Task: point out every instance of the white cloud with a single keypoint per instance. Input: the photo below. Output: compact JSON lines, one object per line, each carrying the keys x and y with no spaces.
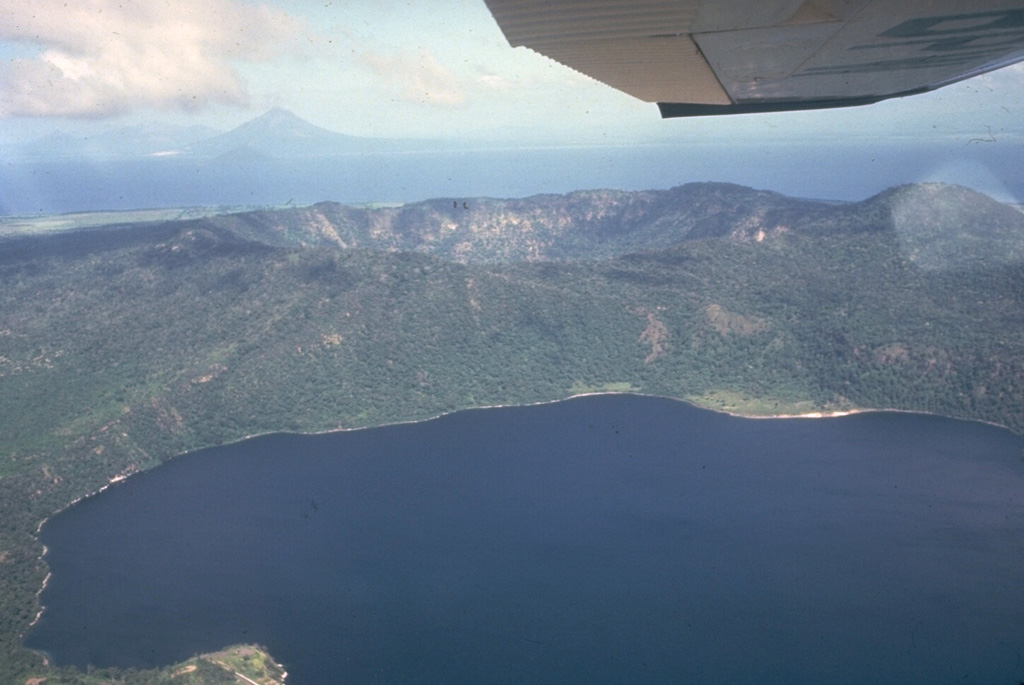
{"x":418,"y":78}
{"x":99,"y":57}
{"x":493,"y":82}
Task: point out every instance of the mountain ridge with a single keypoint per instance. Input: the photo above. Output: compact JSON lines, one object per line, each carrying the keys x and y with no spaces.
{"x":598,"y":224}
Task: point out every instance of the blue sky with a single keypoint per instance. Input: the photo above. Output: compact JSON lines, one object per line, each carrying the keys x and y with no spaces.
{"x":390,"y":68}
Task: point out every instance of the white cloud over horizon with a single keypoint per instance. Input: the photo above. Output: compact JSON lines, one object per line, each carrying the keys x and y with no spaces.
{"x":103,"y":57}
{"x":418,"y":77}
{"x":389,"y":68}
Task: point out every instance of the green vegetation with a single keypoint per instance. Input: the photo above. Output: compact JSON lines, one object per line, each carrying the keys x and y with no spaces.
{"x":579,"y":388}
{"x":230,"y":666}
{"x":121,"y":348}
{"x":744,"y":404}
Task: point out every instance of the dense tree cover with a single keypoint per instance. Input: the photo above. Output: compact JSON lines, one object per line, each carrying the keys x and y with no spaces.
{"x":122,"y":348}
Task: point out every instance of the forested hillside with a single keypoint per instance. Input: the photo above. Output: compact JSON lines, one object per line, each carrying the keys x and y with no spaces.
{"x":121,"y":348}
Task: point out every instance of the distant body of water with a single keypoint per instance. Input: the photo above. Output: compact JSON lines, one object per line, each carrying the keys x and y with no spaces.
{"x":839,"y":171}
{"x":605,"y":539}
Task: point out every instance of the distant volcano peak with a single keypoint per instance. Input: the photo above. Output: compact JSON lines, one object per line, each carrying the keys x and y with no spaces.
{"x":281,"y":133}
{"x":279,"y":119}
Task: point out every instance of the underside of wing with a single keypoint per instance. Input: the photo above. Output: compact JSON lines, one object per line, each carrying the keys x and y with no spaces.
{"x":701,"y":57}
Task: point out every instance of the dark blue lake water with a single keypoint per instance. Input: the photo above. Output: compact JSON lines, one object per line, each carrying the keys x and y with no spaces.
{"x":605,"y":539}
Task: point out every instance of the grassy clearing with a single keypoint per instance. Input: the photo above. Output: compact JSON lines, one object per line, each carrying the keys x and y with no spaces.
{"x":581,"y":388}
{"x":248,"y":662}
{"x":745,"y":404}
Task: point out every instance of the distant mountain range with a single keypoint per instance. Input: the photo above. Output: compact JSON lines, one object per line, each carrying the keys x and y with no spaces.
{"x":276,"y":134}
{"x":279,"y":158}
{"x":123,"y":142}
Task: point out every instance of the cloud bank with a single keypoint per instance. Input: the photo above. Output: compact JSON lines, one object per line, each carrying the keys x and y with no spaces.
{"x":419,"y":78}
{"x":102,"y":57}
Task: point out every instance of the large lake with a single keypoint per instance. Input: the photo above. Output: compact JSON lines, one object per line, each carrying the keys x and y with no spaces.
{"x":605,"y":539}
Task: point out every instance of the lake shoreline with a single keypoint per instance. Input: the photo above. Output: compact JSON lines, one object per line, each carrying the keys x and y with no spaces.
{"x":123,"y":476}
{"x":114,"y":480}
{"x":595,"y":423}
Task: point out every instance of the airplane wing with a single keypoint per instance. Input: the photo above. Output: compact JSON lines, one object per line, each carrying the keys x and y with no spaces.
{"x":701,"y":57}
